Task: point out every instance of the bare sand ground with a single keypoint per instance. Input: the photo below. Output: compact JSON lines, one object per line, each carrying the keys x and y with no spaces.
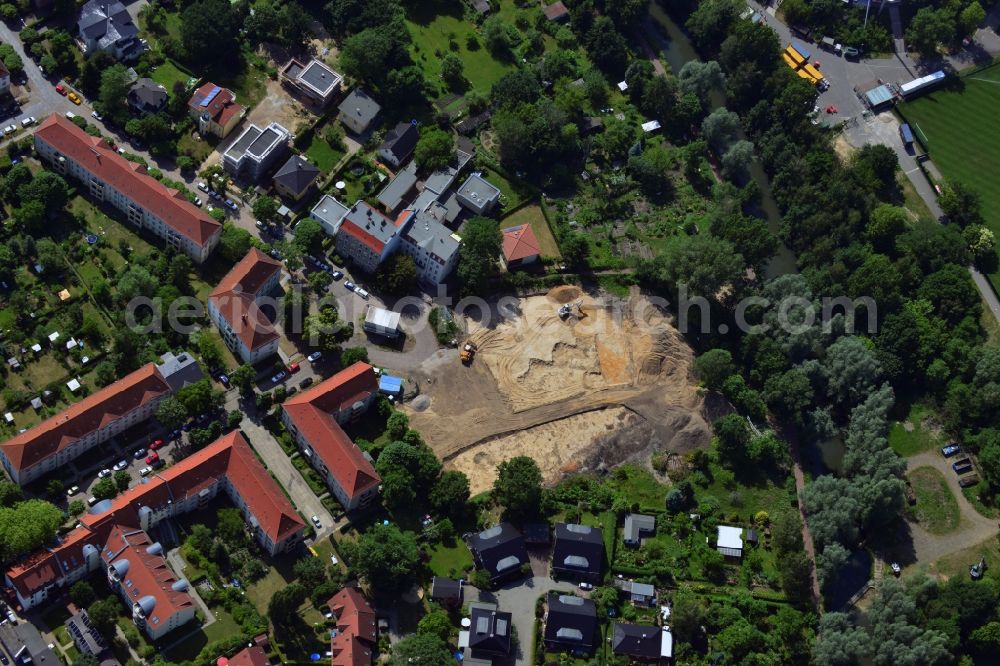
{"x":555,"y":389}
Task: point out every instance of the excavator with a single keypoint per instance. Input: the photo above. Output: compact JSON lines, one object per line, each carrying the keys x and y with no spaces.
{"x":468,"y":353}
{"x":567,"y":309}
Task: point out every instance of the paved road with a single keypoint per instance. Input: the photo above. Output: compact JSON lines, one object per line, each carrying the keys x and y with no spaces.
{"x":519,"y":599}
{"x":973,"y":529}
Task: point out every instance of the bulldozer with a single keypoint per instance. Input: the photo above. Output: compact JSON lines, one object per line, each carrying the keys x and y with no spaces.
{"x":468,"y":353}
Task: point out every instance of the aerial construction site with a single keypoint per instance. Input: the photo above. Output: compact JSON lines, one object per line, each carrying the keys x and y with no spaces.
{"x":575,"y":381}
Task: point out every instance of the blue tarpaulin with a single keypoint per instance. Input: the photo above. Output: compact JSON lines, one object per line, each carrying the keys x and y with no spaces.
{"x":390,"y":385}
{"x":800,"y":47}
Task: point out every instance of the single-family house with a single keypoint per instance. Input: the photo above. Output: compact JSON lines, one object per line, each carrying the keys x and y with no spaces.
{"x":520,"y":247}
{"x":642,"y":642}
{"x":570,"y":623}
{"x":640,"y":594}
{"x":399,"y":144}
{"x":314,"y":418}
{"x":295,"y":178}
{"x":105,"y":25}
{"x":478,"y":194}
{"x":329,"y":212}
{"x":578,"y":551}
{"x":729,"y":541}
{"x":637,"y":525}
{"x":215,"y":110}
{"x":252,"y":655}
{"x":556,"y":11}
{"x":500,"y":551}
{"x":447,"y":591}
{"x":313,"y":80}
{"x":256,"y":151}
{"x":489,"y":632}
{"x":146,"y":97}
{"x":233,"y":306}
{"x":358,"y":112}
{"x":353,"y":643}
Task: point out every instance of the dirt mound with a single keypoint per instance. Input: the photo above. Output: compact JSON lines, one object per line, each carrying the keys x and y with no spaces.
{"x":564,"y":294}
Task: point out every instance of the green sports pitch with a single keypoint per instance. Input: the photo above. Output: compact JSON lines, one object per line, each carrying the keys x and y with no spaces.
{"x":958,"y":127}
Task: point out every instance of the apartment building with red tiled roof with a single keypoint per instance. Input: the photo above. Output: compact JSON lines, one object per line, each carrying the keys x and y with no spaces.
{"x":233,"y":307}
{"x":367,"y":237}
{"x":227,"y":466}
{"x":109,"y":178}
{"x":92,"y":421}
{"x":314,"y":419}
{"x":354,"y":641}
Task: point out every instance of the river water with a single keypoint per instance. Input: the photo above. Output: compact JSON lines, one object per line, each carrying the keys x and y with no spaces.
{"x":676,"y":49}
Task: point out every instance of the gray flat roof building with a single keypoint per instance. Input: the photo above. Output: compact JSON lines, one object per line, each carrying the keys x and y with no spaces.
{"x":395,"y":193}
{"x":478,"y":194}
{"x":329,"y":212}
{"x":256,"y":150}
{"x":179,"y":370}
{"x":26,"y":646}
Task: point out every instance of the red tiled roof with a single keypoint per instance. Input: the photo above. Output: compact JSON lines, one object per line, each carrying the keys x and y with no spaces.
{"x":93,"y":412}
{"x":519,"y":242}
{"x":222,"y":107}
{"x":312,"y":413}
{"x":356,"y":629}
{"x":235,"y":298}
{"x":129,"y":178}
{"x":251,"y":656}
{"x":228,"y":456}
{"x":373,"y":244}
{"x":555,"y":11}
{"x":148,"y":574}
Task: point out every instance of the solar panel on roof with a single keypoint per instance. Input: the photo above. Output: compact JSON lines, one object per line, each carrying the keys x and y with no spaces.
{"x":211,"y":95}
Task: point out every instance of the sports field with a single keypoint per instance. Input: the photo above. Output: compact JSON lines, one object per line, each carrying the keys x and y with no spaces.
{"x":958,"y":127}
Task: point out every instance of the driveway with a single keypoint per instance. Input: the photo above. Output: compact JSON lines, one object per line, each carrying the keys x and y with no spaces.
{"x":974,"y":528}
{"x":519,"y":600}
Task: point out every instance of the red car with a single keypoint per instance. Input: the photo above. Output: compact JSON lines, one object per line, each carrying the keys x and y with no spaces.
{"x":153,"y":458}
{"x":155,"y":445}
{"x":293,"y":368}
{"x":61,"y":89}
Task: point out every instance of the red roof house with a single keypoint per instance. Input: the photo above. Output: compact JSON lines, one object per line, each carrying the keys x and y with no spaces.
{"x":520,"y":247}
{"x":232,"y":305}
{"x":356,"y":629}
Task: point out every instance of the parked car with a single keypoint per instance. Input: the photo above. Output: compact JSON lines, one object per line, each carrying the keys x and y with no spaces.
{"x":174,"y":434}
{"x":9,"y":129}
{"x":97,"y":116}
{"x":231,"y":205}
{"x":27,"y":121}
{"x":104,"y":473}
{"x":120,"y":465}
{"x":155,"y":445}
{"x":224,"y":379}
{"x":950,"y":450}
{"x":152,"y":458}
{"x":198,"y":202}
{"x":73,"y":490}
{"x":260,"y":225}
{"x":91,"y":501}
{"x":203,"y":187}
{"x":293,"y":368}
{"x":139,"y":454}
{"x":73,"y":97}
{"x":337,"y":275}
{"x":315,"y":356}
{"x":968,"y":481}
{"x":145,"y":471}
{"x":70,"y":115}
{"x":851,"y":52}
{"x":362,"y":293}
{"x":315,"y":521}
{"x":349,"y":286}
{"x":3,"y":658}
{"x":61,"y":89}
{"x":292,"y":391}
{"x":278,"y":377}
{"x":306,"y":382}
{"x":586,"y":586}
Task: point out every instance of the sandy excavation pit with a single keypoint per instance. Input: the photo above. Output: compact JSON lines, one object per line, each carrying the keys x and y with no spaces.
{"x":574,"y":393}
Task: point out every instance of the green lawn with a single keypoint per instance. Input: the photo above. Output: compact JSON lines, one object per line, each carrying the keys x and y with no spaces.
{"x":512,"y":193}
{"x":533,"y":215}
{"x":936,"y":509}
{"x":450,"y":561}
{"x":322,"y":153}
{"x":168,"y":74}
{"x":957,"y":125}
{"x":912,"y":436}
{"x":438,"y":26}
{"x":957,"y":564}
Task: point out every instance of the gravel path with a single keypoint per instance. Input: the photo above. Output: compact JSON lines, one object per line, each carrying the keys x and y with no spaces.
{"x":974,"y":528}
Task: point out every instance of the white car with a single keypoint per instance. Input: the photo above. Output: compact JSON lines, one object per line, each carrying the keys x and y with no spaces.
{"x":70,"y":115}
{"x":315,"y":356}
{"x":104,"y":473}
{"x":198,"y":202}
{"x":586,"y":586}
{"x":145,"y":471}
{"x":73,"y":490}
{"x":361,"y":292}
{"x":203,"y":187}
{"x":10,"y":128}
{"x":27,"y":121}
{"x":120,"y":465}
{"x":96,"y":115}
{"x":315,"y":521}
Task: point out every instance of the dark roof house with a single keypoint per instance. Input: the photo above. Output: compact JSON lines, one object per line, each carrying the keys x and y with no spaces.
{"x":107,"y":26}
{"x":146,"y":96}
{"x":578,"y":551}
{"x":446,"y":590}
{"x":571,"y":623}
{"x":489,"y":633}
{"x":642,"y":641}
{"x":295,"y":177}
{"x":499,"y":550}
{"x":358,"y":111}
{"x":399,"y":144}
